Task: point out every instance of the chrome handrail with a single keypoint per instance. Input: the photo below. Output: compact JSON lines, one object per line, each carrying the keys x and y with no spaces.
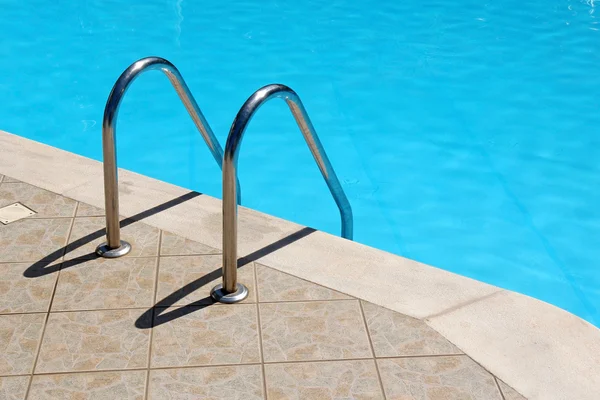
{"x":114,"y":246}
{"x":230,"y":291}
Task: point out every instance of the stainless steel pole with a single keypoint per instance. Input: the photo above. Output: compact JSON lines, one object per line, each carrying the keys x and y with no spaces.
{"x":114,"y":246}
{"x":231,"y":291}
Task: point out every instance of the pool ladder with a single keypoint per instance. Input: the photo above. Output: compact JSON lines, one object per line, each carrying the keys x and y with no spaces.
{"x":230,"y":291}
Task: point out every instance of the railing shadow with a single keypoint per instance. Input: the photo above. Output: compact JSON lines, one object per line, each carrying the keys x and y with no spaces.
{"x":156,"y":315}
{"x":44,"y":267}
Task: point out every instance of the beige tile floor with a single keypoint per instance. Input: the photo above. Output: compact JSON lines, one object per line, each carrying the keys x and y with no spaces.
{"x":73,"y":326}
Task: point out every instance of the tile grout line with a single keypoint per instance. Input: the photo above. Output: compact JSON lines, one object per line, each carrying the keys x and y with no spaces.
{"x":223,"y":365}
{"x":158,"y":259}
{"x":305,"y":301}
{"x":56,"y":311}
{"x":147,"y":387}
{"x":499,"y":388}
{"x":422,"y":356}
{"x":364,"y":318}
{"x":23,"y":313}
{"x":15,"y":376}
{"x":94,"y":257}
{"x":325,"y":360}
{"x":489,"y":372}
{"x":87,"y":181}
{"x":202,"y":366}
{"x":94,"y":310}
{"x":361,"y":359}
{"x":306,"y":280}
{"x":85,"y":257}
{"x":98,"y":371}
{"x":192,"y":255}
{"x":75,"y":209}
{"x":101,"y":371}
{"x":39,"y":346}
{"x":160,"y":254}
{"x":55,"y":217}
{"x":28,"y":387}
{"x":260,"y":341}
{"x":147,"y":369}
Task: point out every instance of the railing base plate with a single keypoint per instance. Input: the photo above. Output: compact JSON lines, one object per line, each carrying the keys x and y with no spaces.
{"x":104,"y":251}
{"x":221,"y":296}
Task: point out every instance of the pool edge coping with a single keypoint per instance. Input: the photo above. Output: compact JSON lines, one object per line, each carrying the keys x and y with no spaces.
{"x":542,"y":351}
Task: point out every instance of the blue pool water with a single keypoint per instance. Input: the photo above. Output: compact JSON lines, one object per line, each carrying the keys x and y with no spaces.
{"x":466,"y":133}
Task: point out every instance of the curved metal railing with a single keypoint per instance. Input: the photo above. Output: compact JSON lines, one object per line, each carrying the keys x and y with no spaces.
{"x":231,"y":291}
{"x":114,"y":246}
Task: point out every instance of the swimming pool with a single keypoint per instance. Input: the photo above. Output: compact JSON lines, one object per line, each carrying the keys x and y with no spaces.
{"x":465,"y":133}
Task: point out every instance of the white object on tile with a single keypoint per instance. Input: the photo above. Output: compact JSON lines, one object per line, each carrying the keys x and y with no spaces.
{"x":14,"y":212}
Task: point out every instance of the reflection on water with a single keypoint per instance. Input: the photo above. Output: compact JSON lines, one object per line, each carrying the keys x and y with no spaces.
{"x":179,"y":11}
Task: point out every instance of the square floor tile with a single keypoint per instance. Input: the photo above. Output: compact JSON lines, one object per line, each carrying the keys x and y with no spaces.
{"x":508,"y":392}
{"x":21,"y":294}
{"x":278,"y":286}
{"x":13,"y":387}
{"x":122,"y":385}
{"x":436,"y":378}
{"x":33,"y":239}
{"x":143,"y":238}
{"x":323,"y":380}
{"x":242,"y":382}
{"x":313,"y":331}
{"x":394,"y":334}
{"x":106,"y":283}
{"x":20,"y":335}
{"x":217,"y":334}
{"x":189,"y":279}
{"x":175,"y":245}
{"x":46,"y":204}
{"x":93,"y":340}
{"x":86,"y":210}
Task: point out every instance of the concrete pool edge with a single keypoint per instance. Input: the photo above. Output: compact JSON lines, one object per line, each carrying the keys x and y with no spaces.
{"x":540,"y":350}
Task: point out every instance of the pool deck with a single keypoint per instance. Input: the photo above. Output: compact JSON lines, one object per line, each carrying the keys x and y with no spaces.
{"x":326,"y":318}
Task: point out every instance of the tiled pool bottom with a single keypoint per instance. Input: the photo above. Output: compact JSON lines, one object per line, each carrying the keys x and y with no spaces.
{"x":73,"y":326}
